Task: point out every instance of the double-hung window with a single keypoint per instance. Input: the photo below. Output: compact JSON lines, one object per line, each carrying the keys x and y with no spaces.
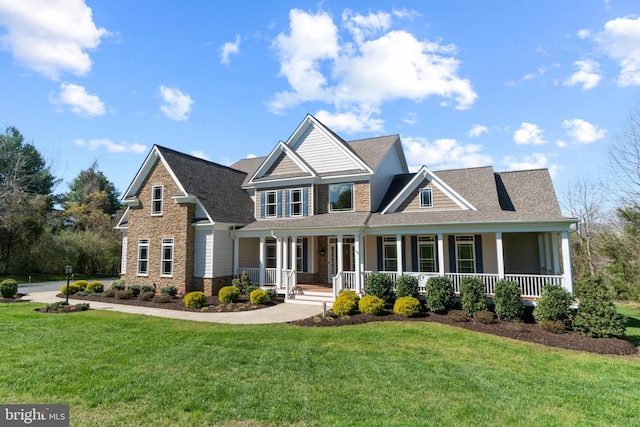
{"x":426,"y":254}
{"x":143,"y":257}
{"x":156,"y":200}
{"x":270,"y":252}
{"x":167,"y":257}
{"x":341,"y":197}
{"x":390,"y":254}
{"x":271,"y":204}
{"x":295,"y":202}
{"x":465,"y":254}
{"x":426,"y":198}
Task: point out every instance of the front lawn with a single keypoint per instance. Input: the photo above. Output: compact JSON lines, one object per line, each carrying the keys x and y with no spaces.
{"x":120,"y":370}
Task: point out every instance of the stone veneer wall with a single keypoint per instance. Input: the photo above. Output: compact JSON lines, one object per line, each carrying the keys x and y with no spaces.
{"x":175,"y":222}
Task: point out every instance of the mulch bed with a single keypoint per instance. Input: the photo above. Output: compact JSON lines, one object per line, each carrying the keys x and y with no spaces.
{"x":16,"y":298}
{"x":213,"y":303}
{"x":524,"y":331}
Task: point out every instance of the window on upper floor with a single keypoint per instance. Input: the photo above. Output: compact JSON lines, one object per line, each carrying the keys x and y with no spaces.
{"x":295,"y":202}
{"x":167,"y":257}
{"x":271,"y":204}
{"x":143,"y":257}
{"x":341,"y":197}
{"x":426,"y":198}
{"x":156,"y":200}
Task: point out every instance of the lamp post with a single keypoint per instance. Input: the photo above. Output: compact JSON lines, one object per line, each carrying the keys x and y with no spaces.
{"x":67,"y":271}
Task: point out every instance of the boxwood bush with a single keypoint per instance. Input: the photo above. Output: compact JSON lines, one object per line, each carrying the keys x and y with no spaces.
{"x":170,"y":290}
{"x":96,"y":287}
{"x":439,"y":294}
{"x":349,"y":294}
{"x":272,"y":294}
{"x":8,"y":288}
{"x":258,"y":296}
{"x":135,"y":290}
{"x":473,"y":296}
{"x":554,"y":304}
{"x":147,"y":288}
{"x":195,"y":299}
{"x":380,"y":285}
{"x":371,"y":304}
{"x":345,"y":305}
{"x":597,"y":316}
{"x":228,"y":294}
{"x":118,"y":285}
{"x":82,"y":284}
{"x":73,"y":289}
{"x":407,"y":286}
{"x":242,"y":282}
{"x":407,"y":306}
{"x":508,"y":301}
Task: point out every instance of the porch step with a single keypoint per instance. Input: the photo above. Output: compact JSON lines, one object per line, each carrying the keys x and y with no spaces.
{"x":309,"y":297}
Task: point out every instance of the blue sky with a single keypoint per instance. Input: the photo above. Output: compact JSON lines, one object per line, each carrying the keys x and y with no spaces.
{"x":513,"y":84}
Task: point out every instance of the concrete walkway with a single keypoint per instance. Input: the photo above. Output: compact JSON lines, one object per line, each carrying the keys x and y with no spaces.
{"x":275,"y":314}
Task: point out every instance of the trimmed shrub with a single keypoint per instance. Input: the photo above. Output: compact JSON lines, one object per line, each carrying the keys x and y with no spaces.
{"x":242,"y":282}
{"x":83,"y":306}
{"x":597,"y":316}
{"x":147,"y":288}
{"x":109,"y":293}
{"x":380,"y":285}
{"x":407,"y":286}
{"x":484,"y":316}
{"x":82,"y":284}
{"x":345,"y":306}
{"x":8,"y":288}
{"x":272,"y":294}
{"x":258,"y":296}
{"x":228,"y":294}
{"x":508,"y":300}
{"x":473,"y":296}
{"x":439,"y":294}
{"x":95,"y":287}
{"x":73,"y":289}
{"x":170,"y":290}
{"x":163,"y":298}
{"x":135,"y":290}
{"x":371,"y":304}
{"x":407,"y":306}
{"x":250,"y":289}
{"x":195,"y":299}
{"x":118,"y":285}
{"x":349,"y":294}
{"x":554,"y":304}
{"x":458,"y":316}
{"x":553,"y":326}
{"x":124,"y":294}
{"x":146,"y":296}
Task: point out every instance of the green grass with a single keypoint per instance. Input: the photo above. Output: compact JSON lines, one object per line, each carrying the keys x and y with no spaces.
{"x":116,"y":369}
{"x":39,"y":278}
{"x":632,"y":312}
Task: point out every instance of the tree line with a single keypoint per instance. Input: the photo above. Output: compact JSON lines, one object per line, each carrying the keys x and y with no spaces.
{"x":42,"y":231}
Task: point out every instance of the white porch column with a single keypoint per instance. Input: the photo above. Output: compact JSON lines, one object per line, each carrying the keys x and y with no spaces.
{"x":358,"y":267}
{"x":285,"y":251}
{"x":339,"y":249}
{"x":549,"y":249}
{"x":294,"y":246}
{"x":278,"y":262}
{"x":399,"y":254}
{"x":555,"y":245}
{"x":262,"y":253}
{"x":441,"y":254}
{"x":236,"y":256}
{"x":567,"y":281}
{"x":500,"y":253}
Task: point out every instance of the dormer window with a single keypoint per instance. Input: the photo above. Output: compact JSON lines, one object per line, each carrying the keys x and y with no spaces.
{"x":156,"y":200}
{"x":426,"y":198}
{"x":341,"y":197}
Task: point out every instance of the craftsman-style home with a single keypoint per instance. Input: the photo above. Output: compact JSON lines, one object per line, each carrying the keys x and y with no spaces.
{"x":318,"y":214}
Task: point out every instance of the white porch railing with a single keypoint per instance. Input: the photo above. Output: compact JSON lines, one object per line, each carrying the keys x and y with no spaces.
{"x":531,"y":284}
{"x":253,"y":273}
{"x":270,"y":275}
{"x":288,"y":281}
{"x":489,"y":280}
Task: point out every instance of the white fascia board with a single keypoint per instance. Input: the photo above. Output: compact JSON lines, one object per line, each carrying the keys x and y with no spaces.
{"x":425,"y":173}
{"x":123,"y":218}
{"x":473,"y":227}
{"x":144,"y":170}
{"x":281,"y":147}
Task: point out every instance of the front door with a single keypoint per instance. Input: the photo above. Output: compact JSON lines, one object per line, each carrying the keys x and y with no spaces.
{"x":348,"y":256}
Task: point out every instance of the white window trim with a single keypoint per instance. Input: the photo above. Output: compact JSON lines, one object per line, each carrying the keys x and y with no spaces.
{"x":166,"y":243}
{"x":466,"y":240}
{"x":272,"y":243}
{"x":388,"y":241}
{"x":426,"y":191}
{"x":142,"y":243}
{"x":154,"y":200}
{"x":291,"y":202}
{"x":426,"y":241}
{"x":274,"y":204}
{"x":353,"y":197}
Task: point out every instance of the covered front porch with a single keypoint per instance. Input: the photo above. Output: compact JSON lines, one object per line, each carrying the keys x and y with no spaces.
{"x":345,"y":260}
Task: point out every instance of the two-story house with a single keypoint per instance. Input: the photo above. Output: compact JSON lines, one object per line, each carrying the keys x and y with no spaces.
{"x":323,"y":212}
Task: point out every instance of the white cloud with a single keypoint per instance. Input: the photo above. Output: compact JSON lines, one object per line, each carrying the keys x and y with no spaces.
{"x":50,"y":36}
{"x":406,"y":13}
{"x":561,"y":143}
{"x":410,"y":118}
{"x":620,"y":40}
{"x":583,"y":34}
{"x":443,"y":154}
{"x":477,"y":130}
{"x":528,"y":134}
{"x":350,"y":121}
{"x":200,"y":154}
{"x":533,"y":161}
{"x":583,"y":131}
{"x":359,"y":77}
{"x":541,"y":71}
{"x":80,"y":102}
{"x":251,"y":156}
{"x":588,"y":75}
{"x":228,"y":49}
{"x":112,"y":147}
{"x":176,"y":105}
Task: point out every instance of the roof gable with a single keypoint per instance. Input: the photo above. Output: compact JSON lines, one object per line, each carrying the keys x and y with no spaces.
{"x":401,"y":197}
